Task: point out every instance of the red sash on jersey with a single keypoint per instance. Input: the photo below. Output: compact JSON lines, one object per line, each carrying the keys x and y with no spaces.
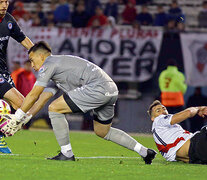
{"x":166,"y":148}
{"x":186,"y":132}
{"x":1,"y":20}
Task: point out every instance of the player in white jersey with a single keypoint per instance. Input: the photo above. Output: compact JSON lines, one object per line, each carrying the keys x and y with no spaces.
{"x":86,"y":87}
{"x":173,"y":142}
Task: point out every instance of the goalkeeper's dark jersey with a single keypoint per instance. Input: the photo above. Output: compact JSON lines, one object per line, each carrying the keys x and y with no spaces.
{"x":8,"y":28}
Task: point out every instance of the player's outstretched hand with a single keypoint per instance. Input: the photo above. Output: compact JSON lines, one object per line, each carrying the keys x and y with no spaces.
{"x":202,"y":111}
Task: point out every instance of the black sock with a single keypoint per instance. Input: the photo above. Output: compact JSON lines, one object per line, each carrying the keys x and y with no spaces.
{"x":2,"y":134}
{"x":12,"y":110}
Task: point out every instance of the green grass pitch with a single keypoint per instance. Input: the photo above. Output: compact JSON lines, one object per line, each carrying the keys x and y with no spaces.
{"x":30,"y":148}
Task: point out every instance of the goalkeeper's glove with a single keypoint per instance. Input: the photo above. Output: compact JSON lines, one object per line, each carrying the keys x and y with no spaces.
{"x":14,"y":122}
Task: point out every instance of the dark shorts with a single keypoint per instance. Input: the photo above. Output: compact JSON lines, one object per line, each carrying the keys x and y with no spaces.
{"x":198,"y":147}
{"x":74,"y":108}
{"x":6,"y":83}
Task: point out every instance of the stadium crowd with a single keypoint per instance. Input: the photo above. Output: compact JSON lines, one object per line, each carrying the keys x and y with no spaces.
{"x":93,"y":13}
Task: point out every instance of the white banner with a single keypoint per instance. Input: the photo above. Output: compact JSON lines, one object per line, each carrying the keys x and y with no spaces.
{"x":194,"y":49}
{"x":125,"y":54}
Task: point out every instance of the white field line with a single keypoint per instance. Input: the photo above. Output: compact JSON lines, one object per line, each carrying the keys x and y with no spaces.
{"x":9,"y":154}
{"x":95,"y":157}
{"x":108,"y":157}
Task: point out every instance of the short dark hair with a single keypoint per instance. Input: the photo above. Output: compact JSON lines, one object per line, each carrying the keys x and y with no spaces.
{"x":155,"y":103}
{"x":40,"y":45}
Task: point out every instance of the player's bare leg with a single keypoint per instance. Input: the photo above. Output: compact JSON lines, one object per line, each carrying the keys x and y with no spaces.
{"x":182,"y":153}
{"x":120,"y":137}
{"x":14,"y":98}
{"x":57,"y":110}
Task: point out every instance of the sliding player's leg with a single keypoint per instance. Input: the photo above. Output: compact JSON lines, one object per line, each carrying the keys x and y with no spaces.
{"x":198,"y":147}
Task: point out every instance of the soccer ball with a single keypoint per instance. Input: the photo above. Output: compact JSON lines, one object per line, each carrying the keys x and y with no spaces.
{"x":4,"y":109}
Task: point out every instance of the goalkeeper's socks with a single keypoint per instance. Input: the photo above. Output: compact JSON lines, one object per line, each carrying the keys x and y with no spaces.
{"x":120,"y":137}
{"x":140,"y":149}
{"x":67,"y":150}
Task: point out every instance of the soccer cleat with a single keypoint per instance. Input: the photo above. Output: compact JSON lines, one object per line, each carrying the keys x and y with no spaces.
{"x":62,"y":157}
{"x":150,"y":156}
{"x":3,"y":146}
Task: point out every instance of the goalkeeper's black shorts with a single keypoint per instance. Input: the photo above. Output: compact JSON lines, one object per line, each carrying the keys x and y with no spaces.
{"x":198,"y":147}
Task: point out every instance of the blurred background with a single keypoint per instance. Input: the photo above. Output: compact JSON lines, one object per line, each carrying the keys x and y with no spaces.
{"x":152,"y":49}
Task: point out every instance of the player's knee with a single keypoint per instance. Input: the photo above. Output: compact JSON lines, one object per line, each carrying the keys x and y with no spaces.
{"x":101,"y":132}
{"x":52,"y":108}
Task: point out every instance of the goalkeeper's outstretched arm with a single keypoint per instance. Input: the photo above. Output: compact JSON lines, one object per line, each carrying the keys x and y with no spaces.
{"x":31,"y":98}
{"x":43,"y":99}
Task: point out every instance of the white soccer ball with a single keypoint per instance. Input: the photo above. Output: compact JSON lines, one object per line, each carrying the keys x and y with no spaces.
{"x":4,"y":109}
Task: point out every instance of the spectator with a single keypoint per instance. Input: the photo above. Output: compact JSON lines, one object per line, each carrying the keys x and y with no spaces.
{"x":173,"y":87}
{"x":52,"y":7}
{"x":16,"y":70}
{"x":161,"y":17}
{"x":111,"y":8}
{"x":62,"y":12}
{"x":25,"y":79}
{"x":99,"y":19}
{"x":197,"y":99}
{"x":41,"y":14}
{"x":79,"y":17}
{"x":202,"y":16}
{"x":129,"y":13}
{"x":25,"y":22}
{"x":171,"y":26}
{"x":145,"y":18}
{"x":180,"y":27}
{"x":136,"y":25}
{"x":19,"y":10}
{"x":175,"y":12}
{"x":50,"y":16}
{"x":50,"y":20}
{"x":111,"y":22}
{"x":91,"y":6}
{"x":35,"y":19}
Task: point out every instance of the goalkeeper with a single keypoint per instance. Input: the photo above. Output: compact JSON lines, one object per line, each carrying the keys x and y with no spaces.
{"x":86,"y":87}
